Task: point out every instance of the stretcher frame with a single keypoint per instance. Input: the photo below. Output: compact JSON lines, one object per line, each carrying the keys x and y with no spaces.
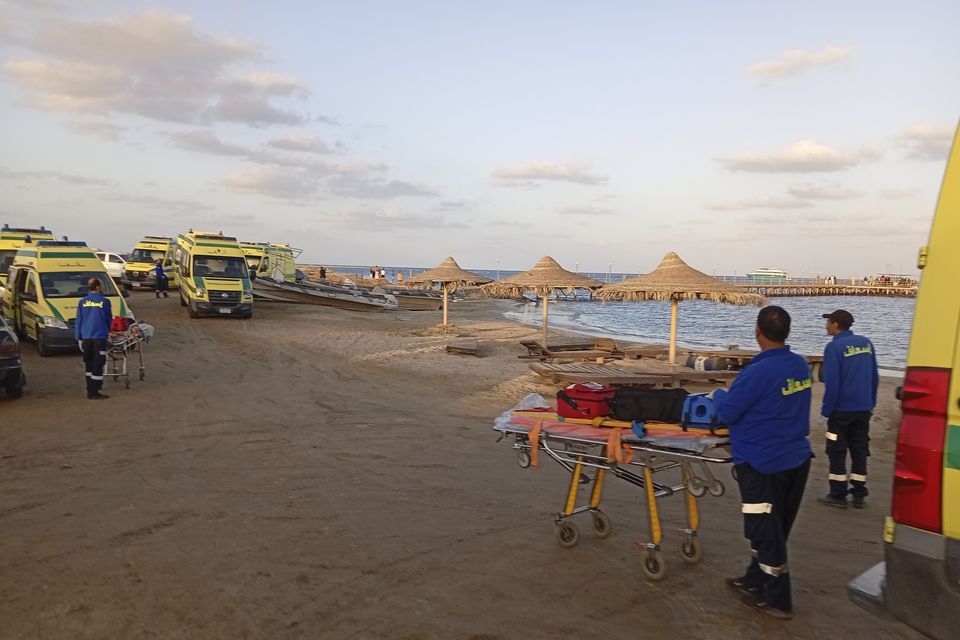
{"x":577,"y":454}
{"x":119,"y":347}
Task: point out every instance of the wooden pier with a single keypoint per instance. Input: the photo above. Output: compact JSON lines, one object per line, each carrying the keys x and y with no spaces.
{"x":778,"y":290}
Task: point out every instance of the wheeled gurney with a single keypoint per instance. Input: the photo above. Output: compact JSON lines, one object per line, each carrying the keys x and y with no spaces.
{"x":608,"y":446}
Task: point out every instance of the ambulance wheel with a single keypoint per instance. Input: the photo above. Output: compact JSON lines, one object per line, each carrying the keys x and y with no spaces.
{"x":717,"y":489}
{"x":193,"y":314}
{"x":691,"y":550}
{"x":523,"y":459}
{"x":568,"y":535}
{"x":696,"y":487}
{"x":42,"y":348}
{"x":602,"y":525}
{"x":183,"y":303}
{"x":654,"y":566}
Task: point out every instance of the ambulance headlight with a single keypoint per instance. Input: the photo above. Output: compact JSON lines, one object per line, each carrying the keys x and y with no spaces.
{"x":201,"y":292}
{"x":54,"y":323}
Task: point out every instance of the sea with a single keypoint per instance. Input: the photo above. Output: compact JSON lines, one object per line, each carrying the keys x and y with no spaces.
{"x":707,"y":325}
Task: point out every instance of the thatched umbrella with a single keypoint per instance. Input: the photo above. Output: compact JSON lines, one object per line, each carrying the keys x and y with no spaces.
{"x":675,"y":280}
{"x":449,"y":275}
{"x":542,"y":279}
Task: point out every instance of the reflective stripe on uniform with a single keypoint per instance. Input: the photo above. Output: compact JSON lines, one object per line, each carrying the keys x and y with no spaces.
{"x":88,"y":374}
{"x":756,"y":507}
{"x":856,"y":477}
{"x":753,"y":552}
{"x":96,"y":377}
{"x":103,"y":353}
{"x":831,"y":436}
{"x":773,"y":571}
{"x":838,"y":477}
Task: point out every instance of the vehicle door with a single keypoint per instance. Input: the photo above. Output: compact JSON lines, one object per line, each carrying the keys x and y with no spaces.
{"x":28,"y":304}
{"x":9,"y":302}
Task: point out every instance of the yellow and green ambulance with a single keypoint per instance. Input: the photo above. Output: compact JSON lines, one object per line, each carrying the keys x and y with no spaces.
{"x":12,"y":240}
{"x":920,"y":581}
{"x":45,"y":285}
{"x":213,"y":274}
{"x":139,"y":270}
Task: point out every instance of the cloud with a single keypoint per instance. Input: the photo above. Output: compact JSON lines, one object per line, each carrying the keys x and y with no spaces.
{"x":532,"y":173}
{"x":803,"y":156}
{"x":823,"y":192}
{"x":273,"y":182}
{"x":307,"y":143}
{"x":67,"y":178}
{"x":389,"y":219}
{"x":154,"y":65}
{"x":795,"y":61}
{"x":169,"y":205}
{"x":364,"y":187}
{"x":587,"y":211}
{"x":759,"y":203}
{"x":899,"y":193}
{"x":207,"y":142}
{"x":927,"y":141}
{"x":95,"y":127}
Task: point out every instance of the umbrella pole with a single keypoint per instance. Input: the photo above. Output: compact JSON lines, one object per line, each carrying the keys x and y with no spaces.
{"x":546,"y":302}
{"x":445,"y":295}
{"x":673,"y":332}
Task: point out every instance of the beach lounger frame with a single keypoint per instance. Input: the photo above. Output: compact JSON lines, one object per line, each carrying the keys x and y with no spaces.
{"x":577,"y":454}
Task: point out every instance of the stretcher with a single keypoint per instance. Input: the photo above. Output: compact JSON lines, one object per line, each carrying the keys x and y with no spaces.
{"x":632,"y":452}
{"x":122,"y":345}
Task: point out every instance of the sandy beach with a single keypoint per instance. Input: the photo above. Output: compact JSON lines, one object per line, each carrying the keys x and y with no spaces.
{"x":316,"y":473}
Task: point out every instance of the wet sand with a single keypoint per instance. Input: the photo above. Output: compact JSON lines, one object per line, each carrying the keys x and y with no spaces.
{"x":316,"y":473}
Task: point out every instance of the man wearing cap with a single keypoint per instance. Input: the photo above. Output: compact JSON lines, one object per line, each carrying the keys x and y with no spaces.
{"x":850,"y":375}
{"x":94,"y":315}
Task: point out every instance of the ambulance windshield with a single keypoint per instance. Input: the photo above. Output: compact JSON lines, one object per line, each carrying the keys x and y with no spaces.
{"x":73,"y":284}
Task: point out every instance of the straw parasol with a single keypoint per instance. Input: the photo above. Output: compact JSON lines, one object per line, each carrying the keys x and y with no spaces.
{"x":449,"y":275}
{"x":545,"y":276}
{"x":675,"y":280}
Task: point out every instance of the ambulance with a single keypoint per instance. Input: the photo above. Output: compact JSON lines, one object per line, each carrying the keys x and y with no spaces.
{"x":11,"y":241}
{"x":253,"y":252}
{"x":46,"y":282}
{"x":919,"y":582}
{"x":139,"y":271}
{"x":279,"y":262}
{"x":213,"y":274}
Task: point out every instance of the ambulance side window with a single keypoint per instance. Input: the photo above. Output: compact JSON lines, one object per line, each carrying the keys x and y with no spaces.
{"x":12,"y":278}
{"x":185,"y":263}
{"x":29,"y":285}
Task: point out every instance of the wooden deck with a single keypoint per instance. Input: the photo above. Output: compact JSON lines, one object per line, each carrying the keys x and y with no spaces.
{"x":607,"y":374}
{"x":779,"y":290}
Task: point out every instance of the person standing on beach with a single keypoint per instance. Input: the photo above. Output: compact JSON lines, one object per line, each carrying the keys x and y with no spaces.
{"x":850,"y":376}
{"x":767,"y":410}
{"x":323,"y":272}
{"x":94,"y":315}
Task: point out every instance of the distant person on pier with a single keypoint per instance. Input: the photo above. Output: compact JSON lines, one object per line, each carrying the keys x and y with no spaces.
{"x":850,"y":374}
{"x":323,"y":272}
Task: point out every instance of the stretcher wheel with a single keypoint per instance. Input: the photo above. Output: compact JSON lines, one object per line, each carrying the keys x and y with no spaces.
{"x":126,"y":382}
{"x":602,"y":525}
{"x":696,"y":487}
{"x":733,"y":473}
{"x":691,"y":550}
{"x":654,"y":566}
{"x":143,"y":375}
{"x":717,"y":489}
{"x":568,"y":535}
{"x":523,"y":459}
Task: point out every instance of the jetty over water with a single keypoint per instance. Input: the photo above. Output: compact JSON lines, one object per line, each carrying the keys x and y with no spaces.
{"x":785,"y":289}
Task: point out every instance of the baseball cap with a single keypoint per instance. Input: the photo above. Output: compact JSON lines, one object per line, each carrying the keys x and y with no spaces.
{"x":841,"y":316}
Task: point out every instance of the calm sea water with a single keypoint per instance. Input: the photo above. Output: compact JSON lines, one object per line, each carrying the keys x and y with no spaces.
{"x":705,"y":325}
{"x":886,"y":321}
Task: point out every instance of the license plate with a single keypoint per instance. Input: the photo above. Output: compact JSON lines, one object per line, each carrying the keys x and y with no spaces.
{"x":224,"y":310}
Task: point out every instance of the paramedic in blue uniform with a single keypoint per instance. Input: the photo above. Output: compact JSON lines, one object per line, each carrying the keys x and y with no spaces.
{"x":162,"y":283}
{"x":767,"y":409}
{"x":94,"y":315}
{"x":850,"y":376}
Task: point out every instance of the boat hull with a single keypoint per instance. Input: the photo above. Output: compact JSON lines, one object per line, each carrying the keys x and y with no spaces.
{"x":345,"y":299}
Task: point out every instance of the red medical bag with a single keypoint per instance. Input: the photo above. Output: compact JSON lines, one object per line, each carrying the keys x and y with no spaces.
{"x":584,"y":400}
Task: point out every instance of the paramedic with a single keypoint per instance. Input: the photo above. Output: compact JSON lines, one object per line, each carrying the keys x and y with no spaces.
{"x":162,"y":282}
{"x":850,"y":376}
{"x":767,"y":409}
{"x":94,"y":315}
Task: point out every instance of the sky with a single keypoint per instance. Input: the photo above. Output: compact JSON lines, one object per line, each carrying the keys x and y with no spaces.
{"x":809,"y":136}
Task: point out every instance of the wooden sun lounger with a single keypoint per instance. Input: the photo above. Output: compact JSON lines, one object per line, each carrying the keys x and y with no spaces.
{"x":607,"y":374}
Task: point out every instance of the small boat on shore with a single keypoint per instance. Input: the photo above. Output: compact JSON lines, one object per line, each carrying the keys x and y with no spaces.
{"x":308,"y":292}
{"x":413,"y":299}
